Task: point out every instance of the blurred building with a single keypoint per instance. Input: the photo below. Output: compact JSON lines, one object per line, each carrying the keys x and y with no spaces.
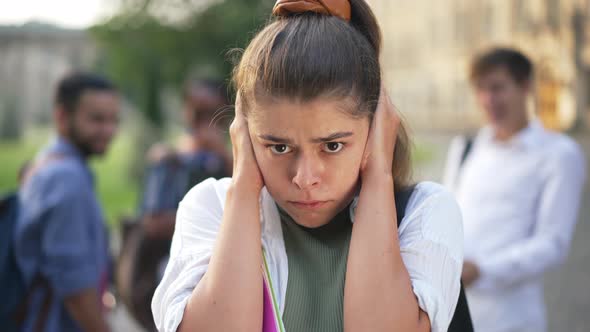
{"x":33,"y":57}
{"x":428,"y":46}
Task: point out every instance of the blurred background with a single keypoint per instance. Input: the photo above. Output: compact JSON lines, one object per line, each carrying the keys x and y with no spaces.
{"x":148,"y":48}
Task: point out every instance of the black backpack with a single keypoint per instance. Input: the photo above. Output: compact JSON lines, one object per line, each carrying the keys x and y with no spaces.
{"x":12,"y":289}
{"x":14,"y":293}
{"x":461,"y":321}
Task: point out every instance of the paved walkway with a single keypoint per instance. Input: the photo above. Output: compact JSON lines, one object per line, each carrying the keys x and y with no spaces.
{"x":568,"y":288}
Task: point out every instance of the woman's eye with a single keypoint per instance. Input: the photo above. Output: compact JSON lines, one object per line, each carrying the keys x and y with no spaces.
{"x":333,"y":147}
{"x":280,"y":149}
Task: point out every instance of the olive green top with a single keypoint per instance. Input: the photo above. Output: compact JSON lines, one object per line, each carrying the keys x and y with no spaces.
{"x":317,"y":269}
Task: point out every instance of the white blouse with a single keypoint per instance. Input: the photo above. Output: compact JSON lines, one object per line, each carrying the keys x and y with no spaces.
{"x":431,"y":242}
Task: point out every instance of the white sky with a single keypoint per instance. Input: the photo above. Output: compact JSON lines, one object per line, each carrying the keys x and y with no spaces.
{"x":67,"y":13}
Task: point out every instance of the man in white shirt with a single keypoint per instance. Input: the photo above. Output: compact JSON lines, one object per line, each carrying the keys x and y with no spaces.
{"x":519,"y":189}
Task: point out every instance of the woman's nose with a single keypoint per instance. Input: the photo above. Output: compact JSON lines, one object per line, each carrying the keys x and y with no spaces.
{"x":307,"y":173}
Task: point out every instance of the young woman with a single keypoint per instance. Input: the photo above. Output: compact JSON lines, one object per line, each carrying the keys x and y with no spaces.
{"x":319,"y":157}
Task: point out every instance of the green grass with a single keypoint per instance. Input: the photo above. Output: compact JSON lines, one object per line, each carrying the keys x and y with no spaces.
{"x":12,"y":156}
{"x":422,"y":154}
{"x":117,"y":190}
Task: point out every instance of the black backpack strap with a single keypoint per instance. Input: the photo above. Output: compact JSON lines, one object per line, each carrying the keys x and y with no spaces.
{"x":39,"y":282}
{"x":8,"y":202}
{"x":466,"y":149}
{"x":461,"y":321}
{"x":402,"y":197}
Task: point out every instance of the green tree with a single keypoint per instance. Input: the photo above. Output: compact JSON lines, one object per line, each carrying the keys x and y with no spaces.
{"x":143,"y":51}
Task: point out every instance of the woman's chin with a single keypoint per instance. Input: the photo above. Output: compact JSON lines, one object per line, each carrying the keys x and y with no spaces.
{"x":314,"y":214}
{"x":312,"y":223}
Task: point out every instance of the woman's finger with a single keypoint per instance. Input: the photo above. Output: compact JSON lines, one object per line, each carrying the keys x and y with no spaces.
{"x":239,"y":105}
{"x":245,"y":164}
{"x":382,"y":136}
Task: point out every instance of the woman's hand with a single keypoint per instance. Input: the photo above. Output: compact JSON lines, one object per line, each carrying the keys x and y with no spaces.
{"x":232,"y":285}
{"x":376,"y":277}
{"x":246,"y":174}
{"x":378,"y":158}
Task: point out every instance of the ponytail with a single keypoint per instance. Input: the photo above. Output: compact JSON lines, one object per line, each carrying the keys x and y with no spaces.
{"x":363,"y":19}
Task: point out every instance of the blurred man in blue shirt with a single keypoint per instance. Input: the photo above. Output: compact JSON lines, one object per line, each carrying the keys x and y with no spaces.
{"x":61,"y":243}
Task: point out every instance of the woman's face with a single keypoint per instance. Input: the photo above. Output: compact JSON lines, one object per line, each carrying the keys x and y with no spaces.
{"x":309,"y":155}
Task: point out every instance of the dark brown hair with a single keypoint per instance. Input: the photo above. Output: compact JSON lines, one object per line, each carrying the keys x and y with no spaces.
{"x":518,"y":65}
{"x":307,"y":55}
{"x":71,"y":87}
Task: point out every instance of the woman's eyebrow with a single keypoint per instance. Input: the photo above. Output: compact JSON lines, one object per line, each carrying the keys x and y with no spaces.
{"x":332,"y":137}
{"x":276,"y":139}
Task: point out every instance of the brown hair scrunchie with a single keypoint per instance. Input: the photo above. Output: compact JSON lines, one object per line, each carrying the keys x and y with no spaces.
{"x":338,"y":8}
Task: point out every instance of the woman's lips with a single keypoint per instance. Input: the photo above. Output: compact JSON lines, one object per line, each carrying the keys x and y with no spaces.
{"x":309,"y":205}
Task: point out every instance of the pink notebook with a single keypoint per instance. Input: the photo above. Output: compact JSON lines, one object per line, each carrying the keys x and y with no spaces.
{"x":271,"y":318}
